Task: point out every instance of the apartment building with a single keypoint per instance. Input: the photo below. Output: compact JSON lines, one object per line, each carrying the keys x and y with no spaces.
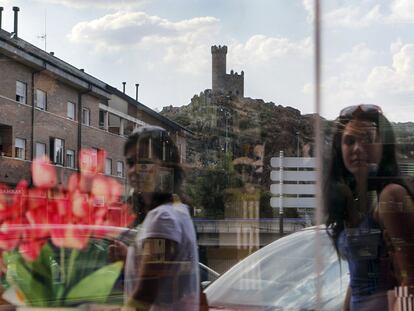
{"x":49,"y":107}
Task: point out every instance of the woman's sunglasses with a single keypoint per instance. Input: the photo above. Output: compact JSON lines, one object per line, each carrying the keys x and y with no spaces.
{"x":353,"y":111}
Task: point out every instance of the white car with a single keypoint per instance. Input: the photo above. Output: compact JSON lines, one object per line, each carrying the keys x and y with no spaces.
{"x":301,"y":271}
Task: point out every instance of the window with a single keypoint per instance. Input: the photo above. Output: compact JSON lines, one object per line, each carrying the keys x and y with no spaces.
{"x":108,"y":166}
{"x":40,"y":150}
{"x":71,"y":111}
{"x":120,"y":169}
{"x":114,"y":124}
{"x":102,"y":119}
{"x":56,"y":150}
{"x":85,"y":116}
{"x":40,"y":99}
{"x":21,"y":92}
{"x":70,"y":158}
{"x":20,"y":148}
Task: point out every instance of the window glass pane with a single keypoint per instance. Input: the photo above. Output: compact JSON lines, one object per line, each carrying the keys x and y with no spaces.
{"x":58,"y":151}
{"x":21,"y":92}
{"x":71,"y":111}
{"x":85,"y":116}
{"x":102,"y":118}
{"x":114,"y":125}
{"x":70,"y":158}
{"x":108,"y":166}
{"x":40,"y":150}
{"x":120,"y":169}
{"x":40,"y":99}
{"x":20,"y":143}
{"x":128,"y":127}
{"x":221,"y":172}
{"x":20,"y":148}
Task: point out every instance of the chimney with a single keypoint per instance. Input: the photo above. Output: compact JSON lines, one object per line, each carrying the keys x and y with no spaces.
{"x":83,"y":70}
{"x":52,"y":53}
{"x":16,"y":16}
{"x":1,"y":13}
{"x":136,"y":91}
{"x":123,"y":87}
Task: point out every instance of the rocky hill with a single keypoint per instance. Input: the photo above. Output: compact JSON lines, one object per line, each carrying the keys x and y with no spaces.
{"x":243,"y":127}
{"x":233,"y":140}
{"x":257,"y":130}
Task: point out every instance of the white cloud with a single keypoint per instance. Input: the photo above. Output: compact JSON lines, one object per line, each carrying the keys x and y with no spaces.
{"x":344,"y":79}
{"x":123,"y":29}
{"x":365,"y":14}
{"x":395,"y":79}
{"x":353,"y":17}
{"x":184,"y":44}
{"x":362,"y":76}
{"x":262,"y":49}
{"x":308,"y":5}
{"x":102,"y":4}
{"x":349,"y":16}
{"x":402,"y":11}
{"x":146,"y":44}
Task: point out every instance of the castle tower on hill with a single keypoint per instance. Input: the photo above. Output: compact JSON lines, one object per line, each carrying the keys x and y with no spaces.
{"x":222,"y":82}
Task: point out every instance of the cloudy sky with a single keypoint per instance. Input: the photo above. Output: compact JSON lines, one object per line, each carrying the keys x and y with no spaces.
{"x":368,"y":47}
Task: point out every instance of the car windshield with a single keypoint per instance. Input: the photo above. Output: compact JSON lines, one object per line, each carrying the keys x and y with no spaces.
{"x":284,"y":274}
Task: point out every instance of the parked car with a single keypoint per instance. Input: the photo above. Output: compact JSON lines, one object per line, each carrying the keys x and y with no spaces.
{"x":301,"y":271}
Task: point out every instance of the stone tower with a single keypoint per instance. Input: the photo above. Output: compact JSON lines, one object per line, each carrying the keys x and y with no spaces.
{"x":218,"y":68}
{"x":227,"y":84}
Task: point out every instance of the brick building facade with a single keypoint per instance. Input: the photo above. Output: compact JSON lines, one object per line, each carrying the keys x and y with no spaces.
{"x":48,"y":107}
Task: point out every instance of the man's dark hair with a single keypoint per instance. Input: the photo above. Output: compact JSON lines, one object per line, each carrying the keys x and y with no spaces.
{"x":154,"y":142}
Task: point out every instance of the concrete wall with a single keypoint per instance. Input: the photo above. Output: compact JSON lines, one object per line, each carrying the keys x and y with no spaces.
{"x":118,"y":104}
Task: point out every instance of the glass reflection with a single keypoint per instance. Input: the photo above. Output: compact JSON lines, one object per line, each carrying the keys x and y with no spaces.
{"x":161,"y":270}
{"x":368,"y":205}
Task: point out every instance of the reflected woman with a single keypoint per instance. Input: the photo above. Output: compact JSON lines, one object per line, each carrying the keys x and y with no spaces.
{"x":365,"y":201}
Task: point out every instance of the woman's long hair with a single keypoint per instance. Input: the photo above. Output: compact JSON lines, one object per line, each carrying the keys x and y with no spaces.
{"x":340,"y":184}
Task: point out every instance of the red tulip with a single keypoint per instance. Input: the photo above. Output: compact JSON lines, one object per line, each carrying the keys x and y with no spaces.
{"x":88,"y":161}
{"x":70,"y":237}
{"x":30,"y":249}
{"x":43,"y":173}
{"x":90,"y":198}
{"x":9,"y":238}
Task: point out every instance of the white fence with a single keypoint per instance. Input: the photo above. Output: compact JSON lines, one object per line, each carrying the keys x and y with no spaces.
{"x":294,"y":182}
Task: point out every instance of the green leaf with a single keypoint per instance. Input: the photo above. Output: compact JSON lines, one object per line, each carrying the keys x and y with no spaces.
{"x":59,"y":290}
{"x":42,"y":264}
{"x":71,"y":266}
{"x":34,"y":292}
{"x":97,"y":286}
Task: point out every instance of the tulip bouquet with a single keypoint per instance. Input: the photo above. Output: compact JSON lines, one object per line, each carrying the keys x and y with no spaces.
{"x":46,"y":234}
